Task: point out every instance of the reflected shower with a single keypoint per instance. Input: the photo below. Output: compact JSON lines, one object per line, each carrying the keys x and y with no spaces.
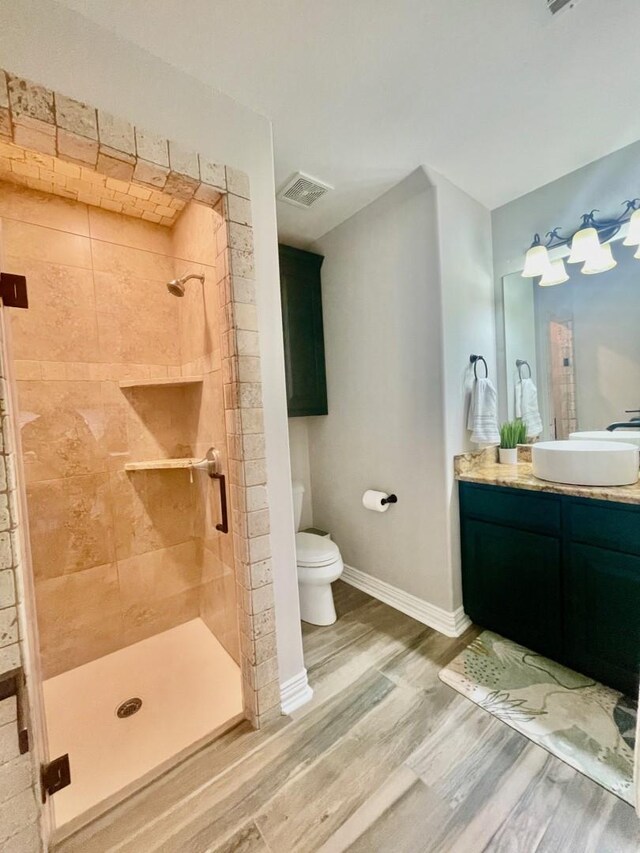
{"x":176,"y":285}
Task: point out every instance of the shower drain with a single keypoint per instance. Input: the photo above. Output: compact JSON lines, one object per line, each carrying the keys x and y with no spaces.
{"x":129,"y":707}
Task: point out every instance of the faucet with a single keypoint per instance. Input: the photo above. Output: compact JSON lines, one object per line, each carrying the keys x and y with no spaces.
{"x":632,"y":423}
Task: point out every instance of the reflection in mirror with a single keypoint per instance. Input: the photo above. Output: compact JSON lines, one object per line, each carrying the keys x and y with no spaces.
{"x":582,"y":340}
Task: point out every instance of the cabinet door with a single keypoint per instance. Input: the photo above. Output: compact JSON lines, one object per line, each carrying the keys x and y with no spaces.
{"x":511,"y":584}
{"x":603,"y":615}
{"x":303,"y":333}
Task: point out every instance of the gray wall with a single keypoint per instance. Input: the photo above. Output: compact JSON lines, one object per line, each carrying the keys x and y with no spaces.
{"x":407,"y":296}
{"x":384,"y":429}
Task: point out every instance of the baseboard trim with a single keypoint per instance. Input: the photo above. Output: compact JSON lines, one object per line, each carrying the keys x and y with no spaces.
{"x":295,"y":692}
{"x":451,"y":623}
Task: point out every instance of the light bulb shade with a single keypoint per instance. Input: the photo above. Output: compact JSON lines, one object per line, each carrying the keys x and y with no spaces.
{"x":536,"y":262}
{"x":633,"y":235}
{"x":585,"y":246}
{"x":556,"y":274}
{"x":600,"y":263}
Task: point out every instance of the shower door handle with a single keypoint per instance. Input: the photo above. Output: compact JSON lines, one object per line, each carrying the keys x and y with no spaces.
{"x":223,"y":527}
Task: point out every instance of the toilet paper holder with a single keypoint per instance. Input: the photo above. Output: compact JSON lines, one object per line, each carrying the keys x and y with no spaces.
{"x":392,"y":499}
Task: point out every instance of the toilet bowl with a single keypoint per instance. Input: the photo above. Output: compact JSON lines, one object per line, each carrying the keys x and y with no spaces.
{"x":319,"y":564}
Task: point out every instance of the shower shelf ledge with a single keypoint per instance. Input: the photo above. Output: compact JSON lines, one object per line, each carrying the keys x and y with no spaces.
{"x":160,"y":464}
{"x":166,"y":382}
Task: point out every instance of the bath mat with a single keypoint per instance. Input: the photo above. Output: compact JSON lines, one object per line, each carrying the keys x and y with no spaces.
{"x":582,"y":722}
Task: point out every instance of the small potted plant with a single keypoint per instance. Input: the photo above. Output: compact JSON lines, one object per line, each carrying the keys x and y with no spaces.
{"x":512,"y":433}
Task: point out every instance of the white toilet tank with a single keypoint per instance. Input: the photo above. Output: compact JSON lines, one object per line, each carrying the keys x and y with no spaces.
{"x":298,"y":495}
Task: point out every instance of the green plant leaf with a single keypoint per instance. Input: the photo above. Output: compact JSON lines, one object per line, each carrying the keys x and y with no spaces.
{"x":512,"y":433}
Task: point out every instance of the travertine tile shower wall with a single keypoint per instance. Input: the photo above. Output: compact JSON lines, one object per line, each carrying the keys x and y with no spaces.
{"x":117,"y":556}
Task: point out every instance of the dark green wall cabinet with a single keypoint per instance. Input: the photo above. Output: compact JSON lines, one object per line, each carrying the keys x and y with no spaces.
{"x":301,"y":296}
{"x":558,"y":574}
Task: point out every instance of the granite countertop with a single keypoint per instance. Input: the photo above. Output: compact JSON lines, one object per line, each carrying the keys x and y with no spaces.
{"x":483,"y":467}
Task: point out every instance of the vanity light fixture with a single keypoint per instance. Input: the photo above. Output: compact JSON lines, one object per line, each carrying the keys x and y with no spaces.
{"x":556,"y":274}
{"x":589,"y":246}
{"x":585,"y":246}
{"x":537,"y":261}
{"x":603,"y":261}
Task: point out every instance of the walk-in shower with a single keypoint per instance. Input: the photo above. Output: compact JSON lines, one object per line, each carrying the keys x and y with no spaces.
{"x":118,"y":394}
{"x":146,"y":620}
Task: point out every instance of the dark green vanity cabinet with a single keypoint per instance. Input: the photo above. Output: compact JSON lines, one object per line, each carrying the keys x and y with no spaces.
{"x":558,"y":574}
{"x":303,"y":333}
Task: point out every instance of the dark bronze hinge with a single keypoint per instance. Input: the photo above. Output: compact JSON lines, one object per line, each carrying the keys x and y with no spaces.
{"x":55,"y":776}
{"x":13,"y":290}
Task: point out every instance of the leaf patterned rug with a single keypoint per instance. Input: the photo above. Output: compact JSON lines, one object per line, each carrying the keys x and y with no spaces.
{"x":582,"y":722}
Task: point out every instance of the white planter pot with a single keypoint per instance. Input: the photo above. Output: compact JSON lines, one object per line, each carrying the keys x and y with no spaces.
{"x":508,"y":455}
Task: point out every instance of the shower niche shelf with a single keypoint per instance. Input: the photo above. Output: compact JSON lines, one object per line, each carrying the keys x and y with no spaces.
{"x":161,"y":464}
{"x":166,"y":382}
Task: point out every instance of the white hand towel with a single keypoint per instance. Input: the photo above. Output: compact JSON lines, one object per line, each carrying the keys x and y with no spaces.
{"x":483,"y":413}
{"x":530,"y":412}
{"x":518,"y":399}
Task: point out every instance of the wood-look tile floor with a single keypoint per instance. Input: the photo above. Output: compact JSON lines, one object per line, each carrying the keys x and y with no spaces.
{"x":386,"y":758}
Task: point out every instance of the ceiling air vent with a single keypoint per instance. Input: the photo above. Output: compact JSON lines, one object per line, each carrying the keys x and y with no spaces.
{"x":556,"y":6}
{"x":303,"y":190}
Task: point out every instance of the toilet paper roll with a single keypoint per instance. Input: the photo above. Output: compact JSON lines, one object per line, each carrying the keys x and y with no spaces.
{"x":373,"y":500}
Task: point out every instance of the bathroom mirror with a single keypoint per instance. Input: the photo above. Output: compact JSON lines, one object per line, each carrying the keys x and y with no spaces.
{"x":582,"y":342}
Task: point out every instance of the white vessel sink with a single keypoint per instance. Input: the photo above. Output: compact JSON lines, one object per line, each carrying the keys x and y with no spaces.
{"x":586,"y":463}
{"x":626,"y":436}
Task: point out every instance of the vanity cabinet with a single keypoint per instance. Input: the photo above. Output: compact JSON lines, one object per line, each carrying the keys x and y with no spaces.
{"x":559,"y":574}
{"x":301,"y":296}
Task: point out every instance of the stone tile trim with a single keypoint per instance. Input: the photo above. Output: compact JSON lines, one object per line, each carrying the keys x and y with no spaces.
{"x":247,"y":462}
{"x":52,"y":124}
{"x":108,"y":186}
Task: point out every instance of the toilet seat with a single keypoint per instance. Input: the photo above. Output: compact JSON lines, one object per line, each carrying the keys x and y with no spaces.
{"x":313,"y":551}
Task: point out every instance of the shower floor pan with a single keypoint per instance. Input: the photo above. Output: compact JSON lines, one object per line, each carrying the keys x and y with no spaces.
{"x":189,"y":685}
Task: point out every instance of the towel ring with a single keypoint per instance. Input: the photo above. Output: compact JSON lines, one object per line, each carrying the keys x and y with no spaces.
{"x":474,"y":359}
{"x":520,"y":363}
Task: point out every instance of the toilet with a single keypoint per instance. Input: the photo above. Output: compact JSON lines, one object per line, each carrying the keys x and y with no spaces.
{"x":319,"y":564}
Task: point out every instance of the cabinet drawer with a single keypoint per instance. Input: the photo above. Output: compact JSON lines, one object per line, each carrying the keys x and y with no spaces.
{"x":538,"y":513}
{"x":608,"y":527}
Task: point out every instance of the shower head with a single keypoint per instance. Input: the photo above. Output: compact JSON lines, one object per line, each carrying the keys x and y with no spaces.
{"x":176,"y":285}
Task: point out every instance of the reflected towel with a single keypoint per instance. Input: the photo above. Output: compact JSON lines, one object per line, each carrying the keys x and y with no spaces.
{"x":483,"y":413}
{"x":527,"y":407}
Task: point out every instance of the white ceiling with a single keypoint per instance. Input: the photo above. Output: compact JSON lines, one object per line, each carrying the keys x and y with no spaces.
{"x":497,"y":95}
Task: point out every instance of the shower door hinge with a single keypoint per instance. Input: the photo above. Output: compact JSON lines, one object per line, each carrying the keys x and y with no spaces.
{"x":55,"y":776}
{"x":13,"y":290}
